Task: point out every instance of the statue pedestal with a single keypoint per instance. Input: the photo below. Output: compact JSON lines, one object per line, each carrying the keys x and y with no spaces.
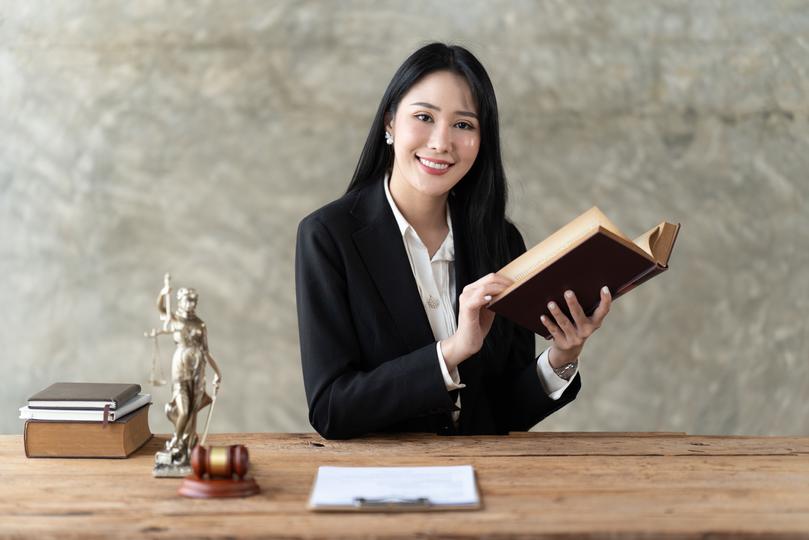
{"x":166,"y":467}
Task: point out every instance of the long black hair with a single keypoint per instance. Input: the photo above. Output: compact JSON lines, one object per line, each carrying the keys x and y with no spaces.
{"x":481,"y":194}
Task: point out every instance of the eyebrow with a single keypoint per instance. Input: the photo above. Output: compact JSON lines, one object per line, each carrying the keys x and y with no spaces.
{"x":431,"y":106}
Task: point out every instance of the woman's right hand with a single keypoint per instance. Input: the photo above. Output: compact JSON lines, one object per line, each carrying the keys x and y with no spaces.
{"x":474,"y":320}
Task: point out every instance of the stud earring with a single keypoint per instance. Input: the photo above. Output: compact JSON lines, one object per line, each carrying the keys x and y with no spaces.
{"x":388,"y":138}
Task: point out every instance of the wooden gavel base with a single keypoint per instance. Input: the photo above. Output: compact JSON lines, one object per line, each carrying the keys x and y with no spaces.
{"x":200,"y":488}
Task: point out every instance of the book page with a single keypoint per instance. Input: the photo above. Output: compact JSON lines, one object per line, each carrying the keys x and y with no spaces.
{"x":659,"y":241}
{"x":647,"y":240}
{"x":343,"y":486}
{"x":559,"y":242}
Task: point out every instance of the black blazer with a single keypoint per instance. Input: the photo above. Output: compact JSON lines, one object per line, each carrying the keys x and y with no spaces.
{"x":367,"y":350}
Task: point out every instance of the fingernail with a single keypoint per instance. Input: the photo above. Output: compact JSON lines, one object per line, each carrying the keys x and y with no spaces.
{"x":551,"y":305}
{"x":542,"y":318}
{"x":605,"y":289}
{"x":488,"y":298}
{"x":568,"y":294}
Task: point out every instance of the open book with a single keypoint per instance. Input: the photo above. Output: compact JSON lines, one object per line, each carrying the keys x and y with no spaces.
{"x":584,"y":255}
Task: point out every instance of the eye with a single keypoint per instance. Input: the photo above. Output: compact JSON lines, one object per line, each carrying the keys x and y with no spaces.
{"x":465,"y":125}
{"x":423,"y":117}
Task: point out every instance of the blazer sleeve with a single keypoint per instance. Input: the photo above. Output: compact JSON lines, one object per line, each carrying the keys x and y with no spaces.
{"x":344,"y":399}
{"x":523,"y":400}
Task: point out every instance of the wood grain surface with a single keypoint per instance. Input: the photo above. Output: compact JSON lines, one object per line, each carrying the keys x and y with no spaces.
{"x":542,"y":485}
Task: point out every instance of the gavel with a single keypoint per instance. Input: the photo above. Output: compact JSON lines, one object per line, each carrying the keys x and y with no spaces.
{"x":220,"y":461}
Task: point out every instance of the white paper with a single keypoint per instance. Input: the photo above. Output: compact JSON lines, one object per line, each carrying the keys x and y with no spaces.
{"x":342,"y":486}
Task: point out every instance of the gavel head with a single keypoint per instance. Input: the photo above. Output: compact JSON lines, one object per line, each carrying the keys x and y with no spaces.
{"x":220,"y":461}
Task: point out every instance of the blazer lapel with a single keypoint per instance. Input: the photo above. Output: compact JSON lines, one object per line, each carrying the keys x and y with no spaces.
{"x":469,"y":369}
{"x":382,"y":250}
{"x":462,"y":278}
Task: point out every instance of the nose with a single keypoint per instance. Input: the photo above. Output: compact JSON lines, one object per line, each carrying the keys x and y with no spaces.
{"x":440,"y":139}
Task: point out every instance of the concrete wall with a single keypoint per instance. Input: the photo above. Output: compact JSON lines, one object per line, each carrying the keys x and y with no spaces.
{"x":151,"y":136}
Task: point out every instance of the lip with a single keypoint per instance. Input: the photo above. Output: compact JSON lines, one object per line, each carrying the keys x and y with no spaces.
{"x":430,"y":170}
{"x":435,"y":160}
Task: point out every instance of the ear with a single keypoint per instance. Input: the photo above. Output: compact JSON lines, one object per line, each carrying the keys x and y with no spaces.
{"x":389,"y":122}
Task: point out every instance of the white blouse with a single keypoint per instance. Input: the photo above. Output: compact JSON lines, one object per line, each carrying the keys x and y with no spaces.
{"x":435,"y":279}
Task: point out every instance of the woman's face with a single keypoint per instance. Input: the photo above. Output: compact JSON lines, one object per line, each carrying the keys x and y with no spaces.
{"x":436,"y":134}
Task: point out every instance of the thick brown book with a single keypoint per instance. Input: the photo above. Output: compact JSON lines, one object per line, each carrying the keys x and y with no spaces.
{"x":118,"y":439}
{"x":584,"y":255}
{"x":82,"y":395}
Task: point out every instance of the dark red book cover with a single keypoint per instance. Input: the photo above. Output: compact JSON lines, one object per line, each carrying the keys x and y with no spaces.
{"x":597,"y":261}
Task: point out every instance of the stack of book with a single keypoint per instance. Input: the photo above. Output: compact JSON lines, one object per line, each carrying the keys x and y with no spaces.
{"x":86,"y":420}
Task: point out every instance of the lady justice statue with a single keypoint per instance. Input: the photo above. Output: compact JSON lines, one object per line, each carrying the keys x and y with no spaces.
{"x":188,"y":395}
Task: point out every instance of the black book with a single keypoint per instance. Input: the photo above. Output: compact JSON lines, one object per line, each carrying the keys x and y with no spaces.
{"x":74,"y":395}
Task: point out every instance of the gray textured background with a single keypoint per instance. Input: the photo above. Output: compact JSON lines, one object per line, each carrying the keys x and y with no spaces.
{"x":141,"y":137}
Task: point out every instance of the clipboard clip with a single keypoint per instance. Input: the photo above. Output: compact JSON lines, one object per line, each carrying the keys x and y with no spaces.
{"x":392,"y":502}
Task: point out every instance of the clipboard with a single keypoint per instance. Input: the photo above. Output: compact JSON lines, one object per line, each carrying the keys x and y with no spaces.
{"x":394,"y":489}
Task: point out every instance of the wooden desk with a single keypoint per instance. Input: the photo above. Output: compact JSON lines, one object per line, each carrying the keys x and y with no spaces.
{"x":549,"y":485}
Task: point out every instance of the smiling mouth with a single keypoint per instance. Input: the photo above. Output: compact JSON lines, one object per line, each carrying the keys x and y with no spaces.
{"x":437,"y":165}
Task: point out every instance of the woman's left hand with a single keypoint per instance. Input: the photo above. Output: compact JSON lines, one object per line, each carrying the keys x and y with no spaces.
{"x":569,"y":337}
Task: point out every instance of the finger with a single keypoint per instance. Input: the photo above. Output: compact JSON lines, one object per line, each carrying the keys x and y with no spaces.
{"x":576,"y":310}
{"x":556,"y":334}
{"x":563,"y":322}
{"x":492,"y":290}
{"x":494,"y":278}
{"x":494,"y":287}
{"x":488,"y":286}
{"x":484,"y":290}
{"x":603,"y":306}
{"x":475,"y":302}
{"x":478,"y":294}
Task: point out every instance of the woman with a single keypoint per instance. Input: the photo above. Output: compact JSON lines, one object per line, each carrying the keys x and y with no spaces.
{"x":393,"y":278}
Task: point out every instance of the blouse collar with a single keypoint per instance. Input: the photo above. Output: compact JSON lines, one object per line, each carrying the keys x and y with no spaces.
{"x":447,"y":250}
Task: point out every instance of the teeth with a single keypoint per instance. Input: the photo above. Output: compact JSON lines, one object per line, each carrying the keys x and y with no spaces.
{"x":432,"y":165}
